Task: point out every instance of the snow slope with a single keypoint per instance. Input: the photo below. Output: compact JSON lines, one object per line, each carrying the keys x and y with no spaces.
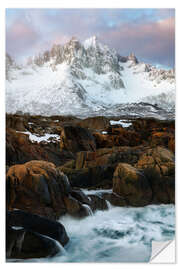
{"x":85,"y":79}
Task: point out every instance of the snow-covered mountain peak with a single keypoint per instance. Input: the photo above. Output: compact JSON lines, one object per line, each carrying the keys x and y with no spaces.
{"x":83,"y":78}
{"x":90,"y":42}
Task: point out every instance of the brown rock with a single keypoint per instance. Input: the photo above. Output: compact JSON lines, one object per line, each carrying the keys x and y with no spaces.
{"x":114,"y":199}
{"x":75,"y":139}
{"x":98,"y":203}
{"x":131,"y":184}
{"x":19,"y":149}
{"x":159,"y":167}
{"x":37,"y":187}
{"x":98,"y":123}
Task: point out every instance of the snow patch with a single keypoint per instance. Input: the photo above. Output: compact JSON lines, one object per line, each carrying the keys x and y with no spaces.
{"x":120,"y":122}
{"x":36,"y":138}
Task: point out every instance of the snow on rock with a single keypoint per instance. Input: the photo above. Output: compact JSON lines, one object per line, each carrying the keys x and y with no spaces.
{"x":82,"y":79}
{"x":120,"y":122}
{"x":36,"y":138}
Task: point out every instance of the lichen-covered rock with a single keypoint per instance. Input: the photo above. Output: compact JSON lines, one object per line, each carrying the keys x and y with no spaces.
{"x":158,"y":164}
{"x":131,"y":184}
{"x":38,"y":187}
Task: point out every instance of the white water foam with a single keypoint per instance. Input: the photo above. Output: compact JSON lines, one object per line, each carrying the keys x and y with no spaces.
{"x":120,"y":234}
{"x":88,"y":209}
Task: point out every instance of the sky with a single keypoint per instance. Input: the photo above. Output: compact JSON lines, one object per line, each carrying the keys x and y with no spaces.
{"x":148,"y":33}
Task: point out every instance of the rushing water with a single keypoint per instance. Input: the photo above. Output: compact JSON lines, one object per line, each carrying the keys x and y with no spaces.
{"x":119,"y":234}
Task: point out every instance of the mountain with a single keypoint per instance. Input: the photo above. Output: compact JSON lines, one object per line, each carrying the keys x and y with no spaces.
{"x":88,"y":79}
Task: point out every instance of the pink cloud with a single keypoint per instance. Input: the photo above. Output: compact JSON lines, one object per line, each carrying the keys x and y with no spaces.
{"x":153,"y":39}
{"x":19,"y":36}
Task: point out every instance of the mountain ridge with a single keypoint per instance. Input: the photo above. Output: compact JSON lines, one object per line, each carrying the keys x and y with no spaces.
{"x":83,"y":77}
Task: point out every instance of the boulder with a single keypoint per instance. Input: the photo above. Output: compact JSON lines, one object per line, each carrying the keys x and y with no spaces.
{"x":158,"y":165}
{"x":37,"y":224}
{"x":40,"y":188}
{"x":114,"y":199}
{"x":80,"y":196}
{"x":75,"y":139}
{"x":131,"y":184}
{"x":98,"y":203}
{"x":22,"y":244}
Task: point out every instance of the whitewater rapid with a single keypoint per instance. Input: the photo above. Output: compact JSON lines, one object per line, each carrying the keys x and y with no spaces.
{"x":119,"y":234}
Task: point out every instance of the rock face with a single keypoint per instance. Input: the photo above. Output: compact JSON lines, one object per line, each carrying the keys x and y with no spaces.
{"x":158,"y":164}
{"x":131,"y":184}
{"x":39,"y":188}
{"x":75,"y":139}
{"x":150,"y":180}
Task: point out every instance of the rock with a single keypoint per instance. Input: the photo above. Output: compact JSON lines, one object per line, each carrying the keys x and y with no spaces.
{"x":37,"y":187}
{"x":19,"y":149}
{"x":109,"y":156}
{"x":97,"y":123}
{"x":75,"y":139}
{"x":80,"y":196}
{"x":133,"y":58}
{"x":114,"y":199}
{"x":16,"y":122}
{"x":163,"y":138}
{"x":22,"y":244}
{"x":37,"y":224}
{"x":94,"y":177}
{"x":159,"y":167}
{"x":131,"y":184}
{"x":117,"y":137}
{"x":97,"y":203}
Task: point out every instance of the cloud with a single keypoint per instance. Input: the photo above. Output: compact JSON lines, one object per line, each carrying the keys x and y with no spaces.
{"x":155,"y":40}
{"x":149,"y":33}
{"x":19,"y":37}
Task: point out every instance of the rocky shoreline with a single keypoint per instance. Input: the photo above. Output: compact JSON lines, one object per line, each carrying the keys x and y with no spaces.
{"x":50,"y":160}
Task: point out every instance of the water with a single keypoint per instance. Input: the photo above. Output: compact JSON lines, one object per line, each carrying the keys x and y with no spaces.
{"x":119,"y":234}
{"x":88,"y":209}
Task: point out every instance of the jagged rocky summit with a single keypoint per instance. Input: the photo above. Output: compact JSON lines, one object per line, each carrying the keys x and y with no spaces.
{"x":85,"y":79}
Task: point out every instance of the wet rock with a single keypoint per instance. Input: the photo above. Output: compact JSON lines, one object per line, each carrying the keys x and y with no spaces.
{"x":98,"y":203}
{"x":37,"y":224}
{"x":131,"y":184}
{"x":80,"y":196}
{"x":22,"y":244}
{"x":114,"y":199}
{"x":75,"y":139}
